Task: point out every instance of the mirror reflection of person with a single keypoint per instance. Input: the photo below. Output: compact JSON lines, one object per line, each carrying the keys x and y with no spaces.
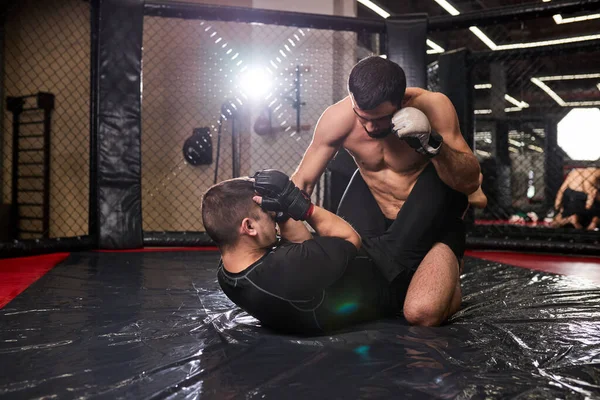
{"x":578,"y":201}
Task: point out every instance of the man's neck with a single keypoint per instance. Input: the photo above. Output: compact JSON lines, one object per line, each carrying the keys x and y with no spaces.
{"x":240,"y":258}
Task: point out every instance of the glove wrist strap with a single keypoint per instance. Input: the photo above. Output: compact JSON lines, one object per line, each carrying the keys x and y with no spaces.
{"x":310,"y":211}
{"x":435,"y":144}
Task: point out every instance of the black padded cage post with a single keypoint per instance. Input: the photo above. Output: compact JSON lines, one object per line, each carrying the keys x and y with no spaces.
{"x":517,"y":145}
{"x":454,"y":80}
{"x":116,"y":124}
{"x":406,"y":46}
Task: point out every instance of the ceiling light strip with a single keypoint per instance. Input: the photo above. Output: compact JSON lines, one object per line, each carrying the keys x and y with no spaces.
{"x":482,"y":36}
{"x":375,"y":8}
{"x":549,"y":91}
{"x":448,"y":7}
{"x":560,"y":20}
{"x":516,"y":102}
{"x":493,"y":46}
{"x":435,"y":48}
{"x":553,"y":42}
{"x":568,"y":77}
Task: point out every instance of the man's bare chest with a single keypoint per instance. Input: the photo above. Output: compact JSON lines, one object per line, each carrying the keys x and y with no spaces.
{"x":389,"y":153}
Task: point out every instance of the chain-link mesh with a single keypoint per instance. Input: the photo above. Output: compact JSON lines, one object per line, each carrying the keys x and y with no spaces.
{"x":536,"y":129}
{"x":225,"y":99}
{"x":433,"y":79}
{"x":46,"y":78}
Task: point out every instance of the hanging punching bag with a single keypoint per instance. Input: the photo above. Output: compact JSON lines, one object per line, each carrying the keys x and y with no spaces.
{"x":197,"y":149}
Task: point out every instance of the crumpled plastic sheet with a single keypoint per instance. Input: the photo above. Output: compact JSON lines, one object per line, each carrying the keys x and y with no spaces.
{"x":155,"y":325}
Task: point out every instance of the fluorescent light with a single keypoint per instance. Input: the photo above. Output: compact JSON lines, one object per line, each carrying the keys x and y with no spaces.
{"x":383,"y":56}
{"x":582,"y":103}
{"x":483,"y":153}
{"x":513,"y":150}
{"x":512,"y":100}
{"x":488,"y":111}
{"x":560,"y":20}
{"x":516,"y":143}
{"x":567,"y":77}
{"x":546,"y":42}
{"x":448,"y":7}
{"x":507,"y":109}
{"x":374,"y":7}
{"x":560,"y":101}
{"x":483,"y":37}
{"x":549,"y":91}
{"x":519,"y":104}
{"x":435,"y":48}
{"x":493,"y":46}
{"x":535,"y":148}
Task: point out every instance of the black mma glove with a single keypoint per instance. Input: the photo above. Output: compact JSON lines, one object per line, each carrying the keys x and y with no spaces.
{"x":279,"y":194}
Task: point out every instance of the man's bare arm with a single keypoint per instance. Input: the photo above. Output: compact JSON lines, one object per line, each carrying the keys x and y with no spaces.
{"x":294,"y":231}
{"x":590,"y":187}
{"x":456,"y":164}
{"x":559,"y":195}
{"x":328,"y":137}
{"x":478,"y":199}
{"x":326,"y":223}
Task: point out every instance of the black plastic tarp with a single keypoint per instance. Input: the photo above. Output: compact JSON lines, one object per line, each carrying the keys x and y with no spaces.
{"x":155,"y":325}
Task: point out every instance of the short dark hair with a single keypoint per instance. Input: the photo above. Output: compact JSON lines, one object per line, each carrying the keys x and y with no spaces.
{"x":224,"y":207}
{"x":375,"y":80}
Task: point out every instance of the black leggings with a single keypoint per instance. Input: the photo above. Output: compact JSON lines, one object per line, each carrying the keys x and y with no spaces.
{"x":431,"y":214}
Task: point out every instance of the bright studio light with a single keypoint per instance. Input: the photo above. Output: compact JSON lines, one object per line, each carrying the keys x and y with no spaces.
{"x":579,"y":135}
{"x":255,"y":82}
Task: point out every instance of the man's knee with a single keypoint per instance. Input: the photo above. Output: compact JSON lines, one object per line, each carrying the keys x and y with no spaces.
{"x":423,"y":314}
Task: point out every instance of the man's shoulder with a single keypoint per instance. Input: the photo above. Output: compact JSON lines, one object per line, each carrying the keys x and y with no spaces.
{"x":418,"y":97}
{"x":339,"y":116}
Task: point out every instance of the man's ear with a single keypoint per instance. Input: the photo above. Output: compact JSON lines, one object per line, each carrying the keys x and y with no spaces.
{"x":248,"y":227}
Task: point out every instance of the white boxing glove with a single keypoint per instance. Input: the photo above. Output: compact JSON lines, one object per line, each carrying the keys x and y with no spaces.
{"x":412,"y":125}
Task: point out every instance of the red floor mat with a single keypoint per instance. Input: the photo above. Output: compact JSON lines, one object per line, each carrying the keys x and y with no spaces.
{"x":584,"y":267}
{"x":16,"y":274}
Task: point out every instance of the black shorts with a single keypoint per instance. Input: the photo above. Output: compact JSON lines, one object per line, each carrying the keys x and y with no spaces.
{"x":433,"y":213}
{"x":573,"y":203}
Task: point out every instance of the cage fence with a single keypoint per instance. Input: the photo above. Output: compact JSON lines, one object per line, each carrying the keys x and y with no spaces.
{"x":45,"y":119}
{"x":535,"y":119}
{"x":225,"y":99}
